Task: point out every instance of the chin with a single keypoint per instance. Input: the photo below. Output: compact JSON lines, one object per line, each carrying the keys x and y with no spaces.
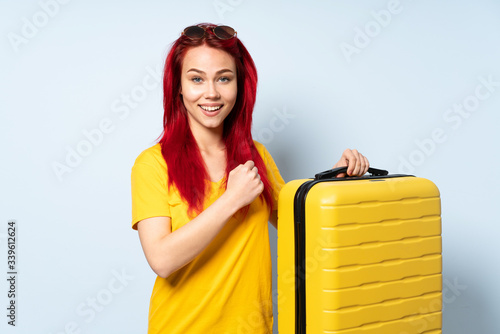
{"x":213,"y":125}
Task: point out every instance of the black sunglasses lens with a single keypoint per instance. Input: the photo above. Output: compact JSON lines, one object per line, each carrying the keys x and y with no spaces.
{"x":194,"y":32}
{"x":224,"y":32}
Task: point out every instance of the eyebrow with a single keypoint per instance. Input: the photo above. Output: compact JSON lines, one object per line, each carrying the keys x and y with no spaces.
{"x":201,"y":72}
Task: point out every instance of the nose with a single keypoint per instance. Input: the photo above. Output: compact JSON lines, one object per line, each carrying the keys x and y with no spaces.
{"x":212,"y":91}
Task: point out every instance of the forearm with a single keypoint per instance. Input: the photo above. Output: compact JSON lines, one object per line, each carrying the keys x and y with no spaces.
{"x":168,"y":251}
{"x":178,"y":248}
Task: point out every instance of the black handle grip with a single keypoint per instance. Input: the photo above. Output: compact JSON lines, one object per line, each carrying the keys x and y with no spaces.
{"x":331,"y":173}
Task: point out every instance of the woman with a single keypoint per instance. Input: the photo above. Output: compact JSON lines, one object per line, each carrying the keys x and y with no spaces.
{"x":203,"y":195}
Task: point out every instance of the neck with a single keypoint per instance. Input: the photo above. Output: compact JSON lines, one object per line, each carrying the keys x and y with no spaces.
{"x":208,"y":140}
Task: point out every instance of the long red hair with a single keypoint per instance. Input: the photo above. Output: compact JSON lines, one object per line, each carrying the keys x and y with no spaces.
{"x":186,"y":169}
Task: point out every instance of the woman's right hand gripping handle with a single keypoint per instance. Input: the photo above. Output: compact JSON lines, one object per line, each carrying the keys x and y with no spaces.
{"x":168,"y":251}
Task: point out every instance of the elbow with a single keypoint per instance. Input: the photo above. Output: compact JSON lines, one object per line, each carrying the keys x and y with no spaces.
{"x":163,"y":262}
{"x":163,"y":273}
{"x":163,"y":270}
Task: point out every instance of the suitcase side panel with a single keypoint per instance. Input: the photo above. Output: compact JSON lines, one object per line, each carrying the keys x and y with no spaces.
{"x":376,"y":277}
{"x":373,"y":293}
{"x":381,"y":272}
{"x":429,"y":323}
{"x":353,"y":317}
{"x":387,"y":230}
{"x":286,"y":257}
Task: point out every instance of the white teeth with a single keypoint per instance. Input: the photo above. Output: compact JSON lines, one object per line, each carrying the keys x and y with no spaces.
{"x":210,"y":108}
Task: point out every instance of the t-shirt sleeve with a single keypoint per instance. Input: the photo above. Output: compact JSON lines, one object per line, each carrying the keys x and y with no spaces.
{"x":273,"y":175}
{"x":149,"y":189}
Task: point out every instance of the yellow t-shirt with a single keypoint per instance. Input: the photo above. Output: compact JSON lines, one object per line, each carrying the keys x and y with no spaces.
{"x":226,"y":289}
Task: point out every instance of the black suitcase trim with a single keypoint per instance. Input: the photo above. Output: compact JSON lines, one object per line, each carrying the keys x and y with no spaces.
{"x":299,"y":212}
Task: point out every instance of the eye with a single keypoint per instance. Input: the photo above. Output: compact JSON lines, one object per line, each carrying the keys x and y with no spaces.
{"x":196,"y":79}
{"x":224,"y":79}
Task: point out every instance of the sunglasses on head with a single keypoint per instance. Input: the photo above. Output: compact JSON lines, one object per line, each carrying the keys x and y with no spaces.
{"x":221,"y":32}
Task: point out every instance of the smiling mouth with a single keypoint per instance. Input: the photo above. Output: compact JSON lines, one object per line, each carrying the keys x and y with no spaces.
{"x":213,"y":108}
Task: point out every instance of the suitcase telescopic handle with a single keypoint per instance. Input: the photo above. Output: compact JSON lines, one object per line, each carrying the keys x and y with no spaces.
{"x":331,"y":173}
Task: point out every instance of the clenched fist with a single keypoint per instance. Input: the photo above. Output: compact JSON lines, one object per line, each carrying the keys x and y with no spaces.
{"x":244,"y":184}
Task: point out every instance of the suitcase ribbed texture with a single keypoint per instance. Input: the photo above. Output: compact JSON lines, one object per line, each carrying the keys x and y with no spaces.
{"x":373,"y":257}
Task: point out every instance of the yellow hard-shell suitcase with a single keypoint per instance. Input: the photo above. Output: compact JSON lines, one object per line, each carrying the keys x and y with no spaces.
{"x":359,"y":255}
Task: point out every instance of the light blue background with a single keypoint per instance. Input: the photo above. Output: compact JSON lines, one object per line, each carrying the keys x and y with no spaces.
{"x":67,"y":67}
